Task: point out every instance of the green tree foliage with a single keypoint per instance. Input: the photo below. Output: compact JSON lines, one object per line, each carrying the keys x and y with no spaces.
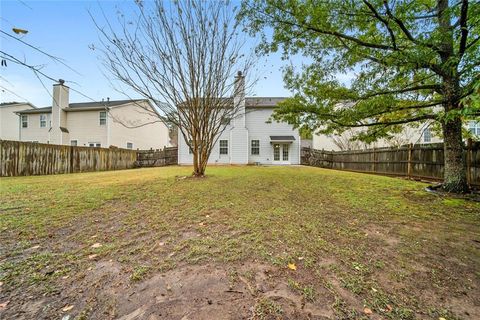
{"x":413,"y":61}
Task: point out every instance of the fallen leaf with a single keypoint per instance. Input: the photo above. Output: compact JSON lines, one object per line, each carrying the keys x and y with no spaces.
{"x":442,"y":318}
{"x":1,"y":283}
{"x":35,"y":247}
{"x":65,"y":277}
{"x":201,"y":224}
{"x":89,"y":269}
{"x":96,"y":245}
{"x":169,"y":287}
{"x":292,"y":266}
{"x":93,"y":236}
{"x":367,"y":311}
{"x":374,"y":290}
{"x":301,"y":258}
{"x":67,"y":308}
{"x":161,"y":244}
{"x":388,"y":308}
{"x":3,"y":305}
{"x":92,"y":256}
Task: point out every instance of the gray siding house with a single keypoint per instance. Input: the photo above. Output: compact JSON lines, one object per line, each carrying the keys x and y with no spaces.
{"x":251,"y":138}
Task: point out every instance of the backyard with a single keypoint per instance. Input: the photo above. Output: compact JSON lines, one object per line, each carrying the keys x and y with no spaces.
{"x":242,"y":243}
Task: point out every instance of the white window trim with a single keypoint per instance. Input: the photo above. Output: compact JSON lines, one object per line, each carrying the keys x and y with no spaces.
{"x":257,"y":147}
{"x":44,"y":120}
{"x":220,"y":147}
{"x":24,"y":116}
{"x":95,"y":144}
{"x":429,"y":135}
{"x":100,"y":118}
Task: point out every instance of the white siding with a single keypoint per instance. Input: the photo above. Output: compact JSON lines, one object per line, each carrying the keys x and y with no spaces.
{"x":131,"y":123}
{"x":34,"y":132}
{"x":185,"y":158}
{"x":239,"y":141}
{"x":259,"y":129}
{"x":84,"y":126}
{"x":10,"y":121}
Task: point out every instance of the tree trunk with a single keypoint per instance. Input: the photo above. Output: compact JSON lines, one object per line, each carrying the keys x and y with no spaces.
{"x":455,"y":174}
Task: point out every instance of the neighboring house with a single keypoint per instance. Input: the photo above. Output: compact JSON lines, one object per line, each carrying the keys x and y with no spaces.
{"x":252,"y":137}
{"x":131,"y":124}
{"x":9,"y":124}
{"x":423,"y":134}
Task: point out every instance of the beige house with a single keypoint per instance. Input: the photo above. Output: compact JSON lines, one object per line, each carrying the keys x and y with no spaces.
{"x":421,"y":134}
{"x":9,"y":125}
{"x":131,"y":124}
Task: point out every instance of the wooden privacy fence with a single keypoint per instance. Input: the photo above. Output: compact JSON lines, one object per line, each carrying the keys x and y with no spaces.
{"x":28,"y":158}
{"x":157,"y":158}
{"x":422,"y":161}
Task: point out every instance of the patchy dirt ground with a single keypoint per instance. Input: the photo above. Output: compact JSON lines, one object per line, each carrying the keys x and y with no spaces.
{"x":243,"y":244}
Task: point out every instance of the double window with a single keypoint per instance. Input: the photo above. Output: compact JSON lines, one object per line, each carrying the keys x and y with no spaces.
{"x":255,"y":147}
{"x":103,"y":118}
{"x":43,"y":121}
{"x":94,"y":144}
{"x":223,"y":146}
{"x":24,"y":119}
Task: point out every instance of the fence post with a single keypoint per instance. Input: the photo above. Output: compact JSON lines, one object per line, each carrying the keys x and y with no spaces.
{"x":469,"y":161}
{"x":374,"y":160}
{"x":409,"y":164}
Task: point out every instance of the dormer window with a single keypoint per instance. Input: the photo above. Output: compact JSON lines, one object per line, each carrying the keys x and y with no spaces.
{"x":103,"y":118}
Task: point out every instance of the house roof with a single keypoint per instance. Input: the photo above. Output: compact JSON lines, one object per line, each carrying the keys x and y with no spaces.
{"x":262,"y":102}
{"x":15,"y":103}
{"x":83,"y":106}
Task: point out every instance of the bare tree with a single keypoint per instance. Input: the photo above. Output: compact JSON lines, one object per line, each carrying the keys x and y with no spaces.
{"x":183,"y":56}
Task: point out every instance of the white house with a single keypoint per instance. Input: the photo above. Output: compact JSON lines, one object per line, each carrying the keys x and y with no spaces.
{"x":131,"y":124}
{"x":251,"y":137}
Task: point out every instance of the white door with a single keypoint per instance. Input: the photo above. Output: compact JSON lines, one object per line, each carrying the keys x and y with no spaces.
{"x":281,"y":153}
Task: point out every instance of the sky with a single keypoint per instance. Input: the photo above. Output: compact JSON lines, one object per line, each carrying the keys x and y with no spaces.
{"x":65,"y":29}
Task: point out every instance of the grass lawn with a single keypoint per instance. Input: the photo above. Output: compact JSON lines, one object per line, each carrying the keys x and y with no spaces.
{"x":148,"y":244}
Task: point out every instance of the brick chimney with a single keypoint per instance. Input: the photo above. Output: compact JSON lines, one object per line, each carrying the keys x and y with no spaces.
{"x":58,"y":131}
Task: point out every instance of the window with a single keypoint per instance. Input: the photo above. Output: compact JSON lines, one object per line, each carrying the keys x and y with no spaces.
{"x":24,"y":121}
{"x":94,"y":144}
{"x":129,"y":145}
{"x":73,"y":143}
{"x":427,"y":135}
{"x":255,"y":147}
{"x":225,"y":121}
{"x":43,"y":120}
{"x":474,"y":127}
{"x":103,"y":118}
{"x":223,"y":146}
